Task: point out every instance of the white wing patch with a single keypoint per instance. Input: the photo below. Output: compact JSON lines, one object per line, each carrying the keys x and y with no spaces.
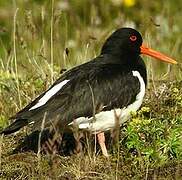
{"x":106,"y":120}
{"x":49,"y":94}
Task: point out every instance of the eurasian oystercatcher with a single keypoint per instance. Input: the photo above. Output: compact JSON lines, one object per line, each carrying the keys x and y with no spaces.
{"x":92,"y":94}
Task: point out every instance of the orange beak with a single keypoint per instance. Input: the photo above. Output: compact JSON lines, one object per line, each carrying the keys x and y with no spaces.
{"x":157,"y":55}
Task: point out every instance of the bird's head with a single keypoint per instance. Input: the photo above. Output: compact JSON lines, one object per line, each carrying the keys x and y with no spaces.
{"x":129,"y":42}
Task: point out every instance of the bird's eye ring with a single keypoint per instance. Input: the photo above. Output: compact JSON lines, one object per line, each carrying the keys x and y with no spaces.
{"x":133,"y":38}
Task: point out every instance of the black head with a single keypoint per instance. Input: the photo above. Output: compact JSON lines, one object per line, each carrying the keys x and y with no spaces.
{"x":124,"y":41}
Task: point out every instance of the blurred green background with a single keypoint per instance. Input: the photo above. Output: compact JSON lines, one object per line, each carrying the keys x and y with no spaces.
{"x":39,"y":39}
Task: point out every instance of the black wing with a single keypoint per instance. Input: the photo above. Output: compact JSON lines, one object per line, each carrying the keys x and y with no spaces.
{"x":104,"y":85}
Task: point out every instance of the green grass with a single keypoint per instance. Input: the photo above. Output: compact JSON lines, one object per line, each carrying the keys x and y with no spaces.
{"x":37,"y":43}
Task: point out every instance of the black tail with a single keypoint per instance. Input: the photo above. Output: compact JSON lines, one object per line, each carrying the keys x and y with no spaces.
{"x":15,"y":126}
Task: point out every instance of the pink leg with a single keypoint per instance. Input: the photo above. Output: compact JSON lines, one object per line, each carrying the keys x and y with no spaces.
{"x":101,"y":140}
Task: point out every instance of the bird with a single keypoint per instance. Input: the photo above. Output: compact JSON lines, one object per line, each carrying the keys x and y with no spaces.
{"x":92,"y":94}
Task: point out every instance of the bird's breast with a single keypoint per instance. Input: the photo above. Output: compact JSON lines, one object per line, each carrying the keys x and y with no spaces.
{"x":106,"y":120}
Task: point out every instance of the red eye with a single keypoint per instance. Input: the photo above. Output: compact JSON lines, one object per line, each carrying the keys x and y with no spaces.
{"x":133,"y":38}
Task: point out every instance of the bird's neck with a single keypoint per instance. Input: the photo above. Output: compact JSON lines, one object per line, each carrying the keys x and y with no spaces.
{"x":127,"y":61}
{"x":140,"y":66}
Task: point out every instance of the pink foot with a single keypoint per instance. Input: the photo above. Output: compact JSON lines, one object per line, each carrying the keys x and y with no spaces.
{"x":101,"y":140}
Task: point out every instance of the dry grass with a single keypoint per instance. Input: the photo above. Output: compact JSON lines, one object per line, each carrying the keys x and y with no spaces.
{"x":125,"y":162}
{"x":40,"y":40}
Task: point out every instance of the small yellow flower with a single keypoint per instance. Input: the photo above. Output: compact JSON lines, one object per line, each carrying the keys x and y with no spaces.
{"x":129,"y":3}
{"x":136,"y":121}
{"x":145,"y":109}
{"x":175,"y":90}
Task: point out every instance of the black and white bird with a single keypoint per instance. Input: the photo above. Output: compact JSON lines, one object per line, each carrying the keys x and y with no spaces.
{"x":92,"y":94}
